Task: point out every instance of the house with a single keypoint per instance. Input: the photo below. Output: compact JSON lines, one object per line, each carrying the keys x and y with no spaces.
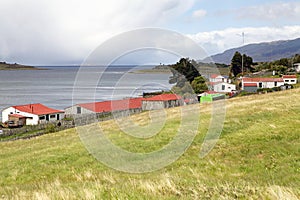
{"x":252,"y":84}
{"x":289,"y":79}
{"x":104,"y":107}
{"x":219,"y":83}
{"x":222,"y":87}
{"x":219,"y":78}
{"x":162,"y":101}
{"x":30,"y":114}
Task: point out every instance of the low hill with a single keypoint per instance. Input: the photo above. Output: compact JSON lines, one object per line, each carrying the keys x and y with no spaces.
{"x":262,"y":52}
{"x":15,"y":66}
{"x":256,"y":157}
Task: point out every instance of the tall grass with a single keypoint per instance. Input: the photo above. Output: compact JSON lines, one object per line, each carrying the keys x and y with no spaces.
{"x":257,"y":157}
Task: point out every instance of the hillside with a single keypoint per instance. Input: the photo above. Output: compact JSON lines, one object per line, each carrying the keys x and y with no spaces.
{"x":257,"y":157}
{"x":262,"y":52}
{"x":15,"y":66}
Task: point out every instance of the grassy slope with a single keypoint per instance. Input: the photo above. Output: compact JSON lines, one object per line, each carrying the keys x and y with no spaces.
{"x":257,"y":156}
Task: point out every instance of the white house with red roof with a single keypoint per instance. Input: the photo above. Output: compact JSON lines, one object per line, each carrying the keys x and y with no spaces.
{"x":130,"y":104}
{"x":252,"y":84}
{"x":162,"y":101}
{"x":219,"y":83}
{"x":289,"y":79}
{"x":30,"y":114}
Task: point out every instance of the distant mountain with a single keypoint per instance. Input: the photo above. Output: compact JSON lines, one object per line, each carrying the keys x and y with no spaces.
{"x":262,"y":52}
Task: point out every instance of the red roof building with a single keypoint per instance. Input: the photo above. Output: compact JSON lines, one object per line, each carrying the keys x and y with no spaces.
{"x":32,"y":113}
{"x":114,"y":105}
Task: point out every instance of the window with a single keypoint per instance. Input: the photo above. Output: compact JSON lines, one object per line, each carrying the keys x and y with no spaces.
{"x":41,"y":117}
{"x":52,"y":116}
{"x":260,"y":85}
{"x":292,"y":80}
{"x":11,"y":113}
{"x":286,"y":81}
{"x":275,"y":83}
{"x":78,"y":110}
{"x":223,"y":87}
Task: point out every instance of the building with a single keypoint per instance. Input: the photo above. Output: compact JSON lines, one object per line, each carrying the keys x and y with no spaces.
{"x":219,"y":78}
{"x":289,"y":79}
{"x":252,"y":84}
{"x":211,"y":97}
{"x":104,"y":107}
{"x":222,"y":87}
{"x":162,"y":101}
{"x":221,"y":84}
{"x":30,"y":114}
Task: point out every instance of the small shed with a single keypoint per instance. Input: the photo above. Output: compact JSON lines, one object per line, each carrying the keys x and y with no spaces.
{"x":211,"y":97}
{"x":162,"y":101}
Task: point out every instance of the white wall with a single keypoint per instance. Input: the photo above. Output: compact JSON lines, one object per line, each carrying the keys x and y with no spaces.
{"x":228,"y":87}
{"x":73,"y":110}
{"x":12,"y":110}
{"x":290,"y":81}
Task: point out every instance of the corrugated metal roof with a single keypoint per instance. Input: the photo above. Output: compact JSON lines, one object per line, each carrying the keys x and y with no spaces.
{"x":257,"y":80}
{"x":163,"y":97}
{"x":37,"y":109}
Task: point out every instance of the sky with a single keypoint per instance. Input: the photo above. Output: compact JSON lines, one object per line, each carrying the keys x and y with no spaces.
{"x":63,"y":32}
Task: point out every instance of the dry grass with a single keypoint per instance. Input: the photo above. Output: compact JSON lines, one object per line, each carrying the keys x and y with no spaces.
{"x":257,"y":157}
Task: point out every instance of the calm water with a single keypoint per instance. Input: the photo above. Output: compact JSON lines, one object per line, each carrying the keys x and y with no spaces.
{"x":54,"y":86}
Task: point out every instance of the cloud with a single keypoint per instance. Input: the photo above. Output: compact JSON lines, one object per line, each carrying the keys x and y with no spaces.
{"x":199,"y":14}
{"x":218,"y":41}
{"x":58,"y":32}
{"x":270,"y":12}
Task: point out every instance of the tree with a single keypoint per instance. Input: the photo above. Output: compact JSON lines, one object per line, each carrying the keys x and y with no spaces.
{"x":236,"y":64}
{"x":199,"y":85}
{"x":183,"y":71}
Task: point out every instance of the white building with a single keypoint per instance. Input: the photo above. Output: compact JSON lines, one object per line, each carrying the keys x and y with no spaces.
{"x":31,"y":114}
{"x":223,"y":87}
{"x":252,"y":84}
{"x":289,"y":79}
{"x":214,"y":78}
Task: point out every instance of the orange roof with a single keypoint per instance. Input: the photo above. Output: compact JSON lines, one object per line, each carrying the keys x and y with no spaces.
{"x":215,"y":75}
{"x":262,"y":80}
{"x":289,"y":76}
{"x":37,"y":109}
{"x":163,"y":97}
{"x":114,"y":105}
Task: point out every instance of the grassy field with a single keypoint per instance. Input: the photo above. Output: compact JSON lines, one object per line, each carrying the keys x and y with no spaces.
{"x":256,"y":157}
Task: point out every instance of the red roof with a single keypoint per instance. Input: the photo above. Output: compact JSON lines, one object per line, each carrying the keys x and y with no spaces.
{"x":163,"y":97}
{"x":17,"y":116}
{"x":36,"y":109}
{"x":114,"y":105}
{"x":250,"y":84}
{"x":257,"y":80}
{"x":289,"y":76}
{"x":214,"y":75}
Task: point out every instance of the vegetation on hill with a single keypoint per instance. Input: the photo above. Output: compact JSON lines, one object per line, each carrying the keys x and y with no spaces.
{"x":262,"y":52}
{"x":257,"y":157}
{"x":15,"y":66}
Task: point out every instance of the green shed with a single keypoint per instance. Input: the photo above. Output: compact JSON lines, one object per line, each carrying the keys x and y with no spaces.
{"x":211,"y":97}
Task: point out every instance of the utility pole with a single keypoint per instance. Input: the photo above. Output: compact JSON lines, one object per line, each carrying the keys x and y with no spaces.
{"x":243,"y":37}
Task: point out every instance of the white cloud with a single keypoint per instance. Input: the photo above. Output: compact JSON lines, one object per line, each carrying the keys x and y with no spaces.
{"x":270,"y":12}
{"x":218,"y":41}
{"x":60,"y":31}
{"x":199,"y":14}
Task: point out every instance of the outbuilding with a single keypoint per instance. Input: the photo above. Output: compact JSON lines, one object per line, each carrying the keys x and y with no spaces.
{"x":30,"y":114}
{"x":162,"y":101}
{"x":290,"y":79}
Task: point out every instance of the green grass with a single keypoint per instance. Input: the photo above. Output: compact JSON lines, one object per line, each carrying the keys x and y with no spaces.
{"x":257,"y":157}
